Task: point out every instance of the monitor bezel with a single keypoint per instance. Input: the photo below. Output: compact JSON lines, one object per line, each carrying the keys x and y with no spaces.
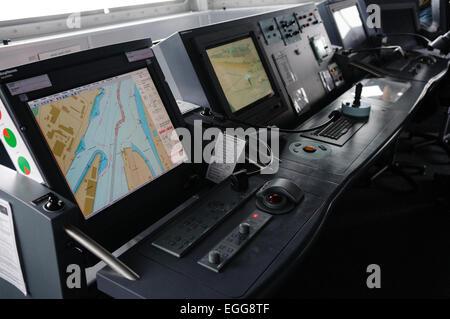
{"x":54,"y":158}
{"x":411,"y":8}
{"x":334,"y":7}
{"x":337,"y":6}
{"x":215,"y":91}
{"x":77,"y":70}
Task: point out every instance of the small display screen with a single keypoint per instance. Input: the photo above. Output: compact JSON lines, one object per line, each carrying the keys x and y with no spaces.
{"x":240,"y":72}
{"x":350,"y":26}
{"x":109,"y":138}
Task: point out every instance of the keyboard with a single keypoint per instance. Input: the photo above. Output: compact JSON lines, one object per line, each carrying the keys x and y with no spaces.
{"x":336,"y":129}
{"x":337,"y":132}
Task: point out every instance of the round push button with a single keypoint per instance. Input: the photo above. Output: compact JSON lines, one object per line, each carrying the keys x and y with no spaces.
{"x":309,"y":149}
{"x":244,"y":229}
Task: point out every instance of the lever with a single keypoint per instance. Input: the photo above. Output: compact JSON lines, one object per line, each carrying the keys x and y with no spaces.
{"x":99,"y":251}
{"x":356,"y":109}
{"x":358,"y":93}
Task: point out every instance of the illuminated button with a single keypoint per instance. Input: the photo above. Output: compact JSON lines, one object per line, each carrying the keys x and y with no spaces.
{"x":274,"y":199}
{"x":255,"y":215}
{"x":309,"y":149}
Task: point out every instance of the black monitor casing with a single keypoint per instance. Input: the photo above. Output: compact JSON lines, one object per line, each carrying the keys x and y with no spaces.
{"x":326,"y":9}
{"x":262,"y":107}
{"x":256,"y":112}
{"x":119,"y":222}
{"x":291,"y":63}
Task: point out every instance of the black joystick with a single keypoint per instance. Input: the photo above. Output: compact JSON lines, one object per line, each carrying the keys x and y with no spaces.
{"x":358,"y":93}
{"x":239,"y":181}
{"x":53,"y":204}
{"x":357,"y":108}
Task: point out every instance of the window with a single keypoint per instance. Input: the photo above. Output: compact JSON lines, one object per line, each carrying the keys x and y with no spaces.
{"x":23,"y":9}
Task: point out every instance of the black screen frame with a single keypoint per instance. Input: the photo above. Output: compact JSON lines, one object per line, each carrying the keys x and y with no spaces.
{"x":213,"y":74}
{"x":337,"y":6}
{"x":74,"y":71}
{"x":258,"y":112}
{"x":410,"y":8}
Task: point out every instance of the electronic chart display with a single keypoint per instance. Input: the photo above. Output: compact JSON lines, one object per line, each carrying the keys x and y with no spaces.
{"x":109,"y":138}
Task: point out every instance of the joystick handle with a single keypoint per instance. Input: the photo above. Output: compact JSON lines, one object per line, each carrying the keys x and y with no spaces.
{"x":358,"y":93}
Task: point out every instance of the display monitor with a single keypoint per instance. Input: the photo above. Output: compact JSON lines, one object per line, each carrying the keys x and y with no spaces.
{"x":350,"y":27}
{"x":109,"y":138}
{"x":240,"y":72}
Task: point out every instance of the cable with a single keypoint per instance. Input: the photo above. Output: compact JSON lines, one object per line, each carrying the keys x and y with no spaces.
{"x":379,"y":73}
{"x":395,"y":48}
{"x":416,"y":35}
{"x":332,"y":117}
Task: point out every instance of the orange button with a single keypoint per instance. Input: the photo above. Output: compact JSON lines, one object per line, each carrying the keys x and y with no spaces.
{"x":309,"y":149}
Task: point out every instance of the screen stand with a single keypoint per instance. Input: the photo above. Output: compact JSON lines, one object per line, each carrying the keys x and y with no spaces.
{"x":99,"y":251}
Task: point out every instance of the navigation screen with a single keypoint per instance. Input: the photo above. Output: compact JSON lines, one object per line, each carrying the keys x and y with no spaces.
{"x":350,"y":27}
{"x":240,"y":72}
{"x":109,"y":138}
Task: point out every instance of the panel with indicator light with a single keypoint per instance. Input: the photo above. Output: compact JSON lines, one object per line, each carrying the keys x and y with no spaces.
{"x":336,"y":74}
{"x":270,"y":31}
{"x":222,"y":253}
{"x":199,"y":219}
{"x":307,"y":19}
{"x":289,"y":29}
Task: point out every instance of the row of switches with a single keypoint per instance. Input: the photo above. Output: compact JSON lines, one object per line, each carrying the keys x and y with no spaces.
{"x":216,"y":259}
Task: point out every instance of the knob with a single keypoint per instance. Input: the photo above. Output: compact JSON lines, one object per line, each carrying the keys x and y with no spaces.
{"x":53,"y":203}
{"x":244,"y":229}
{"x":271,"y":28}
{"x":214,"y":257}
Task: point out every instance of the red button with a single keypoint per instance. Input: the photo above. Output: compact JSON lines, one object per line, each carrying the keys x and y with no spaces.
{"x":274,"y":198}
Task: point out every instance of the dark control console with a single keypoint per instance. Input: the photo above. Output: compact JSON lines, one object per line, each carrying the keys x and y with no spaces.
{"x":202,"y":217}
{"x":224,"y":251}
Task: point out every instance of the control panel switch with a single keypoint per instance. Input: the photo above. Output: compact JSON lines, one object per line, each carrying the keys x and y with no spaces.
{"x":244,"y":229}
{"x":53,"y":203}
{"x":214,"y":257}
{"x":228,"y":247}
